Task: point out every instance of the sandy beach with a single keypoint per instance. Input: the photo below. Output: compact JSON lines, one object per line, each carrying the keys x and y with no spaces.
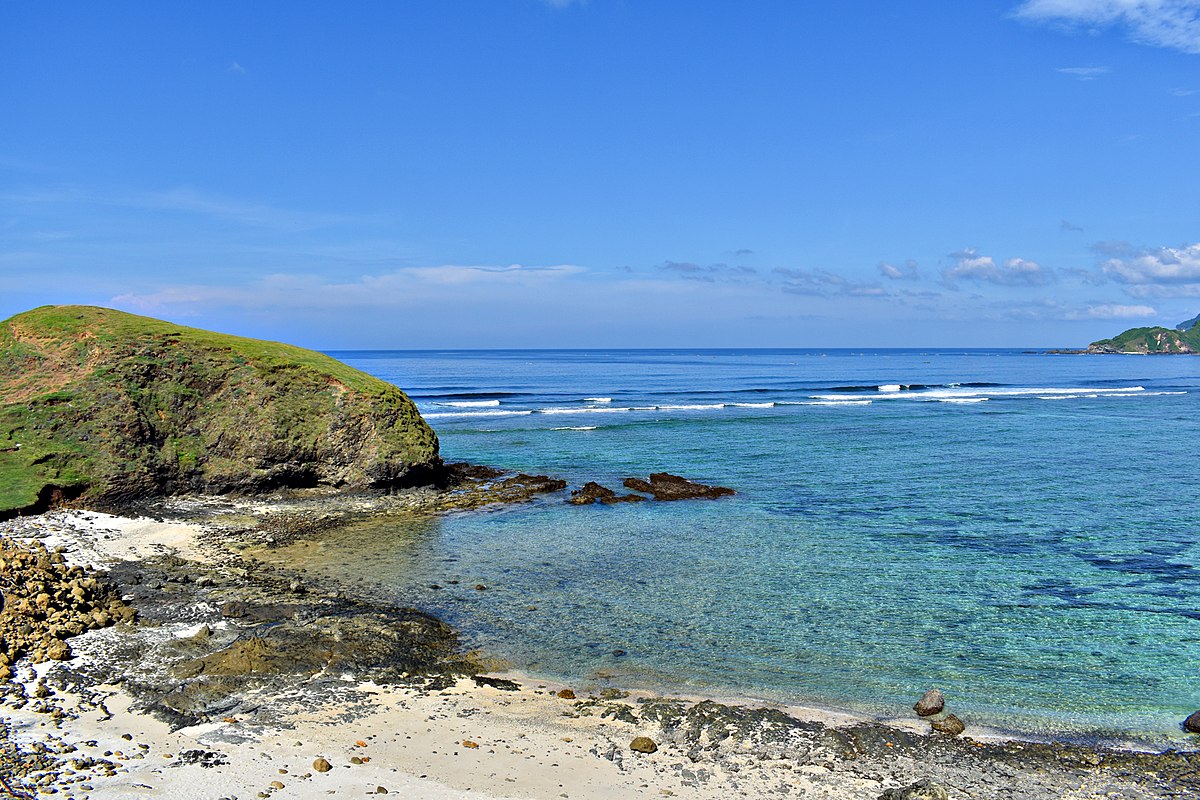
{"x":74,"y":731}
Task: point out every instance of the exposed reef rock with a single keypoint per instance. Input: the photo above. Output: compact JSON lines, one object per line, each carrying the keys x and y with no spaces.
{"x":104,"y":408}
{"x":665,"y":486}
{"x":592,"y":492}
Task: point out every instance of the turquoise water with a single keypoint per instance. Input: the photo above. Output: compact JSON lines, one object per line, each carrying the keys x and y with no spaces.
{"x":1019,"y":530}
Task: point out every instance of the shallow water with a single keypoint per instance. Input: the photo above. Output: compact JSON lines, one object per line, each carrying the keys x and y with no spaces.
{"x":1019,"y":530}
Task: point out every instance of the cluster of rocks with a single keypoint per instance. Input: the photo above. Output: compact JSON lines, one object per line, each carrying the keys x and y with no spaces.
{"x":932,"y":706}
{"x":474,"y":486}
{"x":46,"y":601}
{"x":661,"y":486}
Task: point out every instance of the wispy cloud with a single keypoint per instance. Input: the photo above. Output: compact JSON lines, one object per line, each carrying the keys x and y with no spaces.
{"x":184,"y":199}
{"x":1159,"y":23}
{"x":970,"y":266}
{"x":1064,"y":225}
{"x":1083,"y":73}
{"x":397,"y":289}
{"x":236,"y":68}
{"x":1112,"y":311}
{"x":905,"y":271}
{"x":709,"y":273}
{"x":820,"y":282}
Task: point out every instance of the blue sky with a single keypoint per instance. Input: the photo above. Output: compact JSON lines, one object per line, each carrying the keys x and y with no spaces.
{"x":524,"y":173}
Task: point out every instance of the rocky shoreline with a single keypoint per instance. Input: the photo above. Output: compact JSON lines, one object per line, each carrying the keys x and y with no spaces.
{"x":235,"y":651}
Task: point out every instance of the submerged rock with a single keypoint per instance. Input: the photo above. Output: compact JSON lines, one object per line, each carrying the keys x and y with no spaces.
{"x":665,"y":486}
{"x":932,"y":702}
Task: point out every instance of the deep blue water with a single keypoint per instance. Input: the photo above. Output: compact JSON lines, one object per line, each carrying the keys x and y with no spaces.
{"x":1020,"y":530}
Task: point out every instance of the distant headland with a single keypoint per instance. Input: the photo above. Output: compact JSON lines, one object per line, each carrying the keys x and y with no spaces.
{"x":1183,"y":339}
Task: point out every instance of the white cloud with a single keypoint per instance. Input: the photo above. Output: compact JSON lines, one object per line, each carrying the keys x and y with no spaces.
{"x":1160,"y":23}
{"x":971,"y":266}
{"x":1163,"y":265}
{"x":235,"y":67}
{"x":906,"y":271}
{"x":1083,"y":73}
{"x":1113,"y":311}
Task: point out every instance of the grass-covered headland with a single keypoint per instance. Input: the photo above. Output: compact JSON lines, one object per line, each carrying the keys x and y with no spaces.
{"x":108,"y":408}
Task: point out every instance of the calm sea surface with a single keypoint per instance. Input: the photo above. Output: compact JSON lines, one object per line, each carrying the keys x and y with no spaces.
{"x":1019,"y":530}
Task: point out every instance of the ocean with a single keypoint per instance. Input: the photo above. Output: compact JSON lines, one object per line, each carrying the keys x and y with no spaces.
{"x":1020,"y":530}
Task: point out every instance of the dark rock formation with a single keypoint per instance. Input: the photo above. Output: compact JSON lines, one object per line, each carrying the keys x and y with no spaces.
{"x":932,"y":702}
{"x":592,"y":492}
{"x":105,"y":408}
{"x":1192,"y":723}
{"x":921,"y":790}
{"x":665,"y":486}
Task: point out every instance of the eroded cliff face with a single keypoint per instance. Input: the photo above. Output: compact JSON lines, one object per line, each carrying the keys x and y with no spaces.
{"x":108,"y":408}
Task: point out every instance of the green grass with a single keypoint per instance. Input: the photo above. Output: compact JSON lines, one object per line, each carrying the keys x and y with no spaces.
{"x":109,"y":400}
{"x":107,"y":325}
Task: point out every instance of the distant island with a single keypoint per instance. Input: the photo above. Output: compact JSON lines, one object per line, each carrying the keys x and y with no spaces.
{"x":1183,"y":339}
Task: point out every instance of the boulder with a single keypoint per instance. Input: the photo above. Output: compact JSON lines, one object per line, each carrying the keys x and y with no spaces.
{"x":665,"y":486}
{"x":643,"y":744}
{"x":950,"y":725}
{"x":932,"y":702}
{"x":1192,"y":723}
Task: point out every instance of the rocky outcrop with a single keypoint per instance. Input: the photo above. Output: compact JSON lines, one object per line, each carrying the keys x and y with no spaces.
{"x":592,"y":492}
{"x":665,"y":486}
{"x":105,"y":408}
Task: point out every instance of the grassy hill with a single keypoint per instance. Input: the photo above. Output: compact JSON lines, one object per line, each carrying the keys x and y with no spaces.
{"x":1151,"y":340}
{"x":110,"y":407}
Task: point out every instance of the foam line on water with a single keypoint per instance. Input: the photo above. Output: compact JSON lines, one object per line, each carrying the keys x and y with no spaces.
{"x":452,"y":414}
{"x":469,"y":403}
